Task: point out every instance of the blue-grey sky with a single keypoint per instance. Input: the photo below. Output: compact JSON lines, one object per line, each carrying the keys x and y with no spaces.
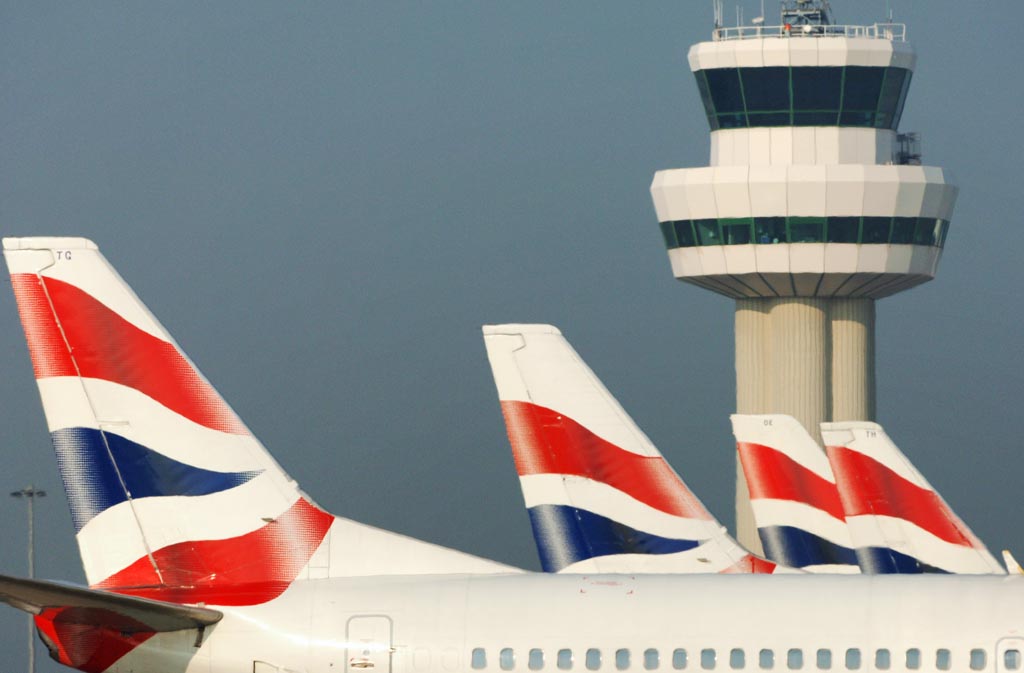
{"x":324,"y":201}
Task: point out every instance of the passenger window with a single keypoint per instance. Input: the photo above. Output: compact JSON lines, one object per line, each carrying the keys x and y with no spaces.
{"x":913,"y":658}
{"x":507,"y":659}
{"x":651,"y":659}
{"x":708,"y":657}
{"x":853,"y":659}
{"x":622,"y":659}
{"x":737,"y":659}
{"x":478,"y":659}
{"x":766,"y":659}
{"x":795,"y":659}
{"x":942,"y":659}
{"x":883,"y":660}
{"x":593,"y":659}
{"x":1011,"y":660}
{"x":824,"y":659}
{"x":536,"y":660}
{"x":679,"y":659}
{"x":565,"y":660}
{"x":978,"y":659}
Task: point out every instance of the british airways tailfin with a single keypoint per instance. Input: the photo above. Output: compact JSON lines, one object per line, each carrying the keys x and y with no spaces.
{"x":600,"y":496}
{"x":898,"y":522}
{"x":171,"y":496}
{"x":793,"y":495}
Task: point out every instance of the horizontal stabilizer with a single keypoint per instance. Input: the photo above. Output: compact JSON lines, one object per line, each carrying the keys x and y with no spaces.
{"x":91,"y":605}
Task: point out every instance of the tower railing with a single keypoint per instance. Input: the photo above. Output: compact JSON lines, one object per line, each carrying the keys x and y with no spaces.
{"x":894,"y":32}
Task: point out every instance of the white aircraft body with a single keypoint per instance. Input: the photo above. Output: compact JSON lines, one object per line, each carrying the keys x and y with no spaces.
{"x":202,"y":556}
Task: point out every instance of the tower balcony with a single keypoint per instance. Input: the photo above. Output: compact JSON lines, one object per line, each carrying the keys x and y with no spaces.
{"x":805,"y":231}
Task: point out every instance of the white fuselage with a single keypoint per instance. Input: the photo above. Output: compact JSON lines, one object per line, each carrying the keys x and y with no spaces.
{"x":433,"y":624}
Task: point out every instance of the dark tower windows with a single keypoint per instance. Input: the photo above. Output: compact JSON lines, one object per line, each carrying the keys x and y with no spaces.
{"x":860,"y":96}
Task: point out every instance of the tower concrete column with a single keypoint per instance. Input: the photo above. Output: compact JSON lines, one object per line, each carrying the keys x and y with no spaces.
{"x":753,"y":395}
{"x":753,"y":355}
{"x":853,"y":359}
{"x":800,"y":361}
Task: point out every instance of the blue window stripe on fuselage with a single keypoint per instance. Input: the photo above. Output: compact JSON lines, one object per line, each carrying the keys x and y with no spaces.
{"x":885,"y":561}
{"x":797,"y":548}
{"x":566,"y":535}
{"x":93,"y":484}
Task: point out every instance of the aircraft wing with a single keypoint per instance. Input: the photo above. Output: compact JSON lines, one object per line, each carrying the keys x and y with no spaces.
{"x":94,"y":607}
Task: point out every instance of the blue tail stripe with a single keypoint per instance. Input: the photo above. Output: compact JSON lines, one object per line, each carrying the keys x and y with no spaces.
{"x":566,"y":535}
{"x":885,"y":561}
{"x":92,"y":483}
{"x":797,"y":548}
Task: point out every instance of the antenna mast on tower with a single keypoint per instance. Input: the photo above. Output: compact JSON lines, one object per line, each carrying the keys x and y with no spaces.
{"x":806,"y":13}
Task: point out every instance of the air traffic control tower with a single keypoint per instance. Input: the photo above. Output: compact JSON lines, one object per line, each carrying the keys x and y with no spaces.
{"x":814,"y":207}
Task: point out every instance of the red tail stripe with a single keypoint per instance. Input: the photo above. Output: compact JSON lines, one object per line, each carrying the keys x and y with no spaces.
{"x":750,"y":565}
{"x":546,"y":442}
{"x":108,"y":347}
{"x":868,"y":487}
{"x":247,"y":570}
{"x":772,"y":475}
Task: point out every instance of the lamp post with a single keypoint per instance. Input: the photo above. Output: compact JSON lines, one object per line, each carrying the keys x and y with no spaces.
{"x":30,"y":493}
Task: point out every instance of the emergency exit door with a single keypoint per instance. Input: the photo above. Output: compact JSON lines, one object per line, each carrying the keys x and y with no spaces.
{"x":369,"y":644}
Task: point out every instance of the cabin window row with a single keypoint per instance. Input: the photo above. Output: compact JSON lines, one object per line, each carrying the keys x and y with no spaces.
{"x":926,"y":231}
{"x":708,"y":659}
{"x":858,"y":96}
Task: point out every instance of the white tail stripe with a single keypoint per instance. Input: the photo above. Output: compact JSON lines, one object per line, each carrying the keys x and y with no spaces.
{"x":785,"y":435}
{"x":237,"y":512}
{"x":534,"y":363}
{"x":85,"y":268}
{"x":604,"y":500}
{"x":801,"y":515}
{"x":156,"y":427}
{"x":905,"y":537}
{"x":707,"y":558}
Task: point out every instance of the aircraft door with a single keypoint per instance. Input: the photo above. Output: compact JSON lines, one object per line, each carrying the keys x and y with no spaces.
{"x":1010,"y":655}
{"x":369,"y":644}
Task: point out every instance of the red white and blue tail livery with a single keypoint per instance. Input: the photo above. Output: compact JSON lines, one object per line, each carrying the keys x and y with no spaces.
{"x":898,"y":522}
{"x":793,"y":495}
{"x":171,"y":496}
{"x":600,"y":496}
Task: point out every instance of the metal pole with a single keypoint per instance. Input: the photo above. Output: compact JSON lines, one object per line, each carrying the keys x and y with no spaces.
{"x":30,"y":493}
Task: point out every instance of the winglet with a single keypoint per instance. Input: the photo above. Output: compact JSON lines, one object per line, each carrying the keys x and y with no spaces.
{"x":1012,"y":567}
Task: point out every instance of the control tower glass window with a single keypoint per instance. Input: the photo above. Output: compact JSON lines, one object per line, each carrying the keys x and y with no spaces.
{"x":923,"y":231}
{"x":860,"y":96}
{"x":817,"y":94}
{"x":862,"y":87}
{"x":767,"y":96}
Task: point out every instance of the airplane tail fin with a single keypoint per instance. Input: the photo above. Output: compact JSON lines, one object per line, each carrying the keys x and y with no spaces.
{"x":899,"y":523}
{"x":793,"y":495}
{"x":600,"y":495}
{"x":171,"y":496}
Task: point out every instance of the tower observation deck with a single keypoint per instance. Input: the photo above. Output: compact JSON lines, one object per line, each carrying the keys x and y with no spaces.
{"x":812,"y":208}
